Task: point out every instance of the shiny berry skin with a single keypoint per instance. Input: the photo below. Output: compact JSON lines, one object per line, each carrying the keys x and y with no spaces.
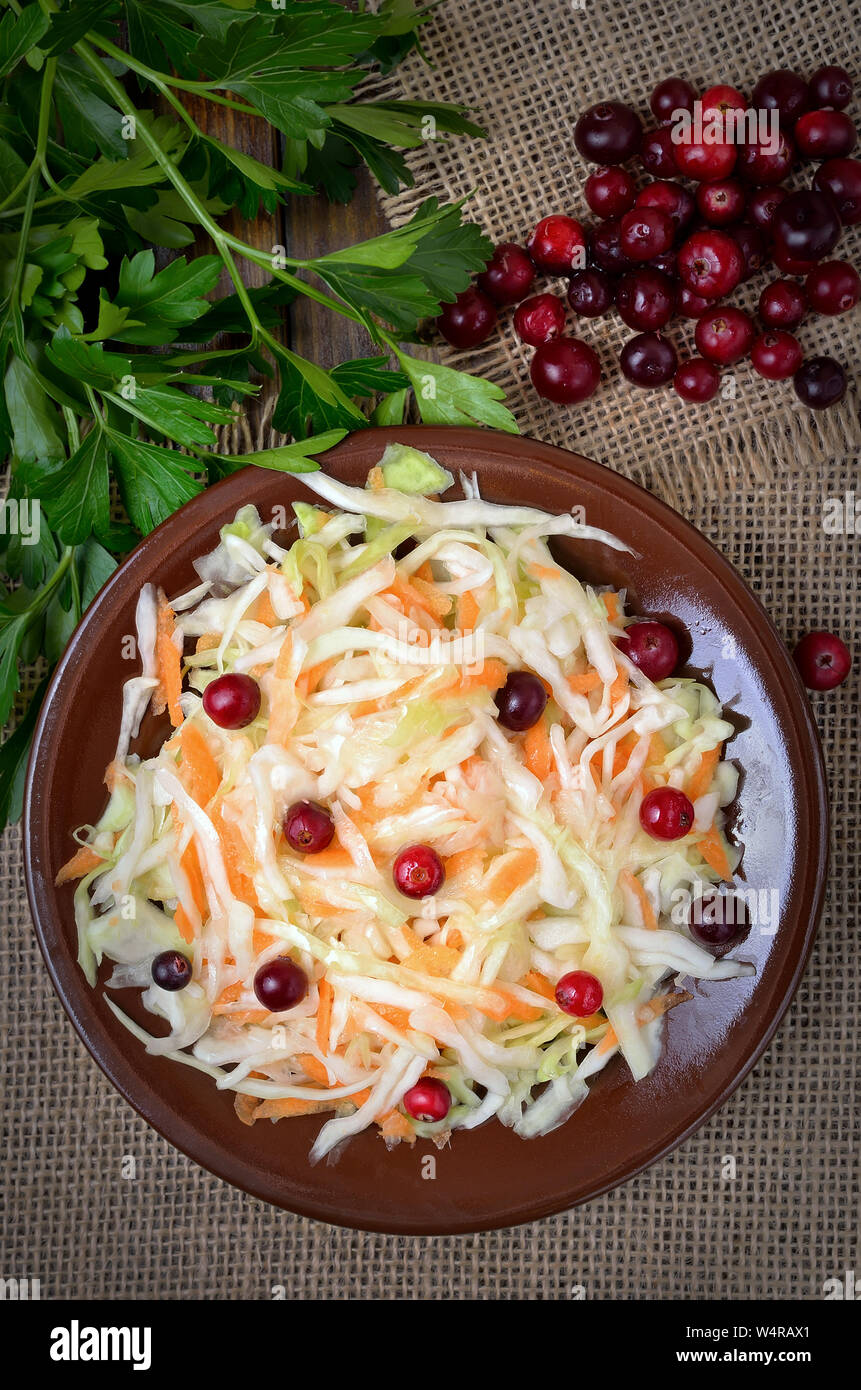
{"x":671,"y":198}
{"x":652,"y":647}
{"x":657,"y":153}
{"x":671,"y":95}
{"x":776,"y":355}
{"x":697,"y":380}
{"x":566,"y":371}
{"x":418,"y":872}
{"x":784,"y":91}
{"x":539,"y":319}
{"x":711,"y":264}
{"x":610,"y":192}
{"x":706,"y":162}
{"x":825,"y":134}
{"x":721,"y":202}
{"x":820,"y":382}
{"x":591,"y":293}
{"x":606,"y":249}
{"x":762,"y":203}
{"x":750,"y":242}
{"x":830,"y":86}
{"x":666,"y":814}
{"x":724,"y":335}
{"x":782,"y":304}
{"x":757,"y":163}
{"x":558,"y":245}
{"x":790,"y":265}
{"x":718,"y":918}
{"x":509,"y":274}
{"x":308,"y":828}
{"x":805,"y":226}
{"x":833,"y":287}
{"x":520,"y":702}
{"x":470,"y":320}
{"x":280,"y":984}
{"x":648,"y":360}
{"x":579,"y":994}
{"x":840,"y":180}
{"x":823,"y":661}
{"x":721,"y":99}
{"x":645,"y":299}
{"x":608,"y":133}
{"x":690,"y":305}
{"x":429,"y":1100}
{"x":232,"y":700}
{"x":646,"y":232}
{"x":171,"y":970}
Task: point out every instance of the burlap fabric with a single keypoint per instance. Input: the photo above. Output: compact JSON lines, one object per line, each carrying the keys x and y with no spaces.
{"x":755,"y":475}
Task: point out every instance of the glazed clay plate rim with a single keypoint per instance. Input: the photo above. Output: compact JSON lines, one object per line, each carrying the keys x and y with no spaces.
{"x":85,"y":1007}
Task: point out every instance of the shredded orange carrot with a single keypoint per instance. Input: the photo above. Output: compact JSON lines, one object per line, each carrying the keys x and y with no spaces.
{"x":713,"y":850}
{"x":454,"y":938}
{"x":466,"y":868}
{"x":624,"y":749}
{"x":333,"y":858}
{"x":394,"y":1125}
{"x":510,"y":1007}
{"x":636,"y":887}
{"x":657,"y":750}
{"x":467,"y":612}
{"x":509,"y":872}
{"x":702,"y":779}
{"x":324,"y":1015}
{"x":168,"y":664}
{"x":207,"y":641}
{"x":539,"y":984}
{"x":310,"y":679}
{"x":415,"y":596}
{"x":613,"y":605}
{"x":82,"y":862}
{"x":582,"y":684}
{"x":376,"y":479}
{"x":198,"y":769}
{"x":283,"y":702}
{"x":242,"y":1015}
{"x":245,"y":1107}
{"x":433,"y":960}
{"x":537,"y":752}
{"x":183,"y":923}
{"x":359,"y":1098}
{"x":289,"y":1108}
{"x":398,"y":1018}
{"x":437,"y":603}
{"x":544,"y":571}
{"x":237,"y":860}
{"x":263,"y":612}
{"x":619,"y":686}
{"x":229,"y":994}
{"x":425,"y":572}
{"x":492,"y":675}
{"x":115,"y":772}
{"x":313,"y":1068}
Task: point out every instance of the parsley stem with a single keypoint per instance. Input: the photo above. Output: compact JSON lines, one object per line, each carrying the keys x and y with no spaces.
{"x":161,"y":80}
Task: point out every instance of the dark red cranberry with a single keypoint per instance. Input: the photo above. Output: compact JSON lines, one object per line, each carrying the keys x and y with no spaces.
{"x":667,"y":264}
{"x":724,"y":335}
{"x":833,"y":287}
{"x":720,"y":99}
{"x":645,"y":299}
{"x":608,"y":133}
{"x":606,"y":249}
{"x":671,"y":198}
{"x":782,"y":91}
{"x":690,"y":305}
{"x":280,"y":984}
{"x":232,"y":700}
{"x":751,"y":244}
{"x":776,"y":355}
{"x":698,"y":160}
{"x":711,"y":263}
{"x":646,"y":232}
{"x":823,"y":661}
{"x":509,"y":274}
{"x":840,"y":179}
{"x":718,"y":918}
{"x":825,"y":134}
{"x":656,"y":153}
{"x":790,"y":265}
{"x":566,"y":371}
{"x":558,"y":245}
{"x":470,"y":320}
{"x":579,"y":994}
{"x":610,"y":192}
{"x":697,"y":380}
{"x":762,"y":204}
{"x":590,"y":293}
{"x":666,"y":814}
{"x":806,"y":226}
{"x":648,"y":360}
{"x":308,"y":828}
{"x":418,"y":872}
{"x":671,"y":95}
{"x":540,"y":319}
{"x":652,"y":647}
{"x":171,"y":970}
{"x":782,"y":304}
{"x":429,"y":1100}
{"x":820,"y":382}
{"x":521,"y":701}
{"x":721,"y":202}
{"x":757,"y":163}
{"x":830,"y":86}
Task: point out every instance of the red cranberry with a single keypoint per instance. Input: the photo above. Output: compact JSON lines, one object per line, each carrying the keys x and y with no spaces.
{"x":470,"y":320}
{"x":579,"y":994}
{"x":429,"y":1100}
{"x":782,"y":91}
{"x":830,"y":86}
{"x":610,"y":192}
{"x":232,"y":700}
{"x":721,"y":202}
{"x":825,"y":134}
{"x":706,"y":162}
{"x":823,"y":661}
{"x":645,"y":299}
{"x":645,"y":233}
{"x":666,"y":814}
{"x":840,"y":179}
{"x":558,"y":245}
{"x":805,"y":226}
{"x":648,"y":360}
{"x":820,"y":382}
{"x":608,"y":133}
{"x":590,"y":293}
{"x":711,"y":264}
{"x":509,"y":274}
{"x":671,"y":198}
{"x":762,"y":204}
{"x":539,"y":319}
{"x":566,"y":371}
{"x":782,"y":304}
{"x":724,"y":335}
{"x":690,"y":305}
{"x":833,"y":287}
{"x":776,"y":355}
{"x":171,"y":970}
{"x":750,"y":243}
{"x":308,"y":828}
{"x":697,"y":380}
{"x":280,"y":984}
{"x":667,"y":264}
{"x":718,"y":918}
{"x":652,"y":647}
{"x":605,"y":246}
{"x":790,"y":265}
{"x":671,"y":95}
{"x":418,"y":872}
{"x":720,"y":99}
{"x":657,"y":153}
{"x":757,"y":163}
{"x":521,"y":701}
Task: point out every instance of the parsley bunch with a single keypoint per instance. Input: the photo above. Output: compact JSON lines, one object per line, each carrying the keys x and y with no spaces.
{"x":101,"y":161}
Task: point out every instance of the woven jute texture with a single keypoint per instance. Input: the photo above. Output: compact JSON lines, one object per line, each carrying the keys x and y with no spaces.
{"x":763,"y":1201}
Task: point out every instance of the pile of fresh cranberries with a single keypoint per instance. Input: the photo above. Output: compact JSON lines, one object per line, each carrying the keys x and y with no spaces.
{"x":677,"y":249}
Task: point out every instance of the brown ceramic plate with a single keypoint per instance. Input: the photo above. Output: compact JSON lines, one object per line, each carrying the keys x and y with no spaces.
{"x":487,"y":1177}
